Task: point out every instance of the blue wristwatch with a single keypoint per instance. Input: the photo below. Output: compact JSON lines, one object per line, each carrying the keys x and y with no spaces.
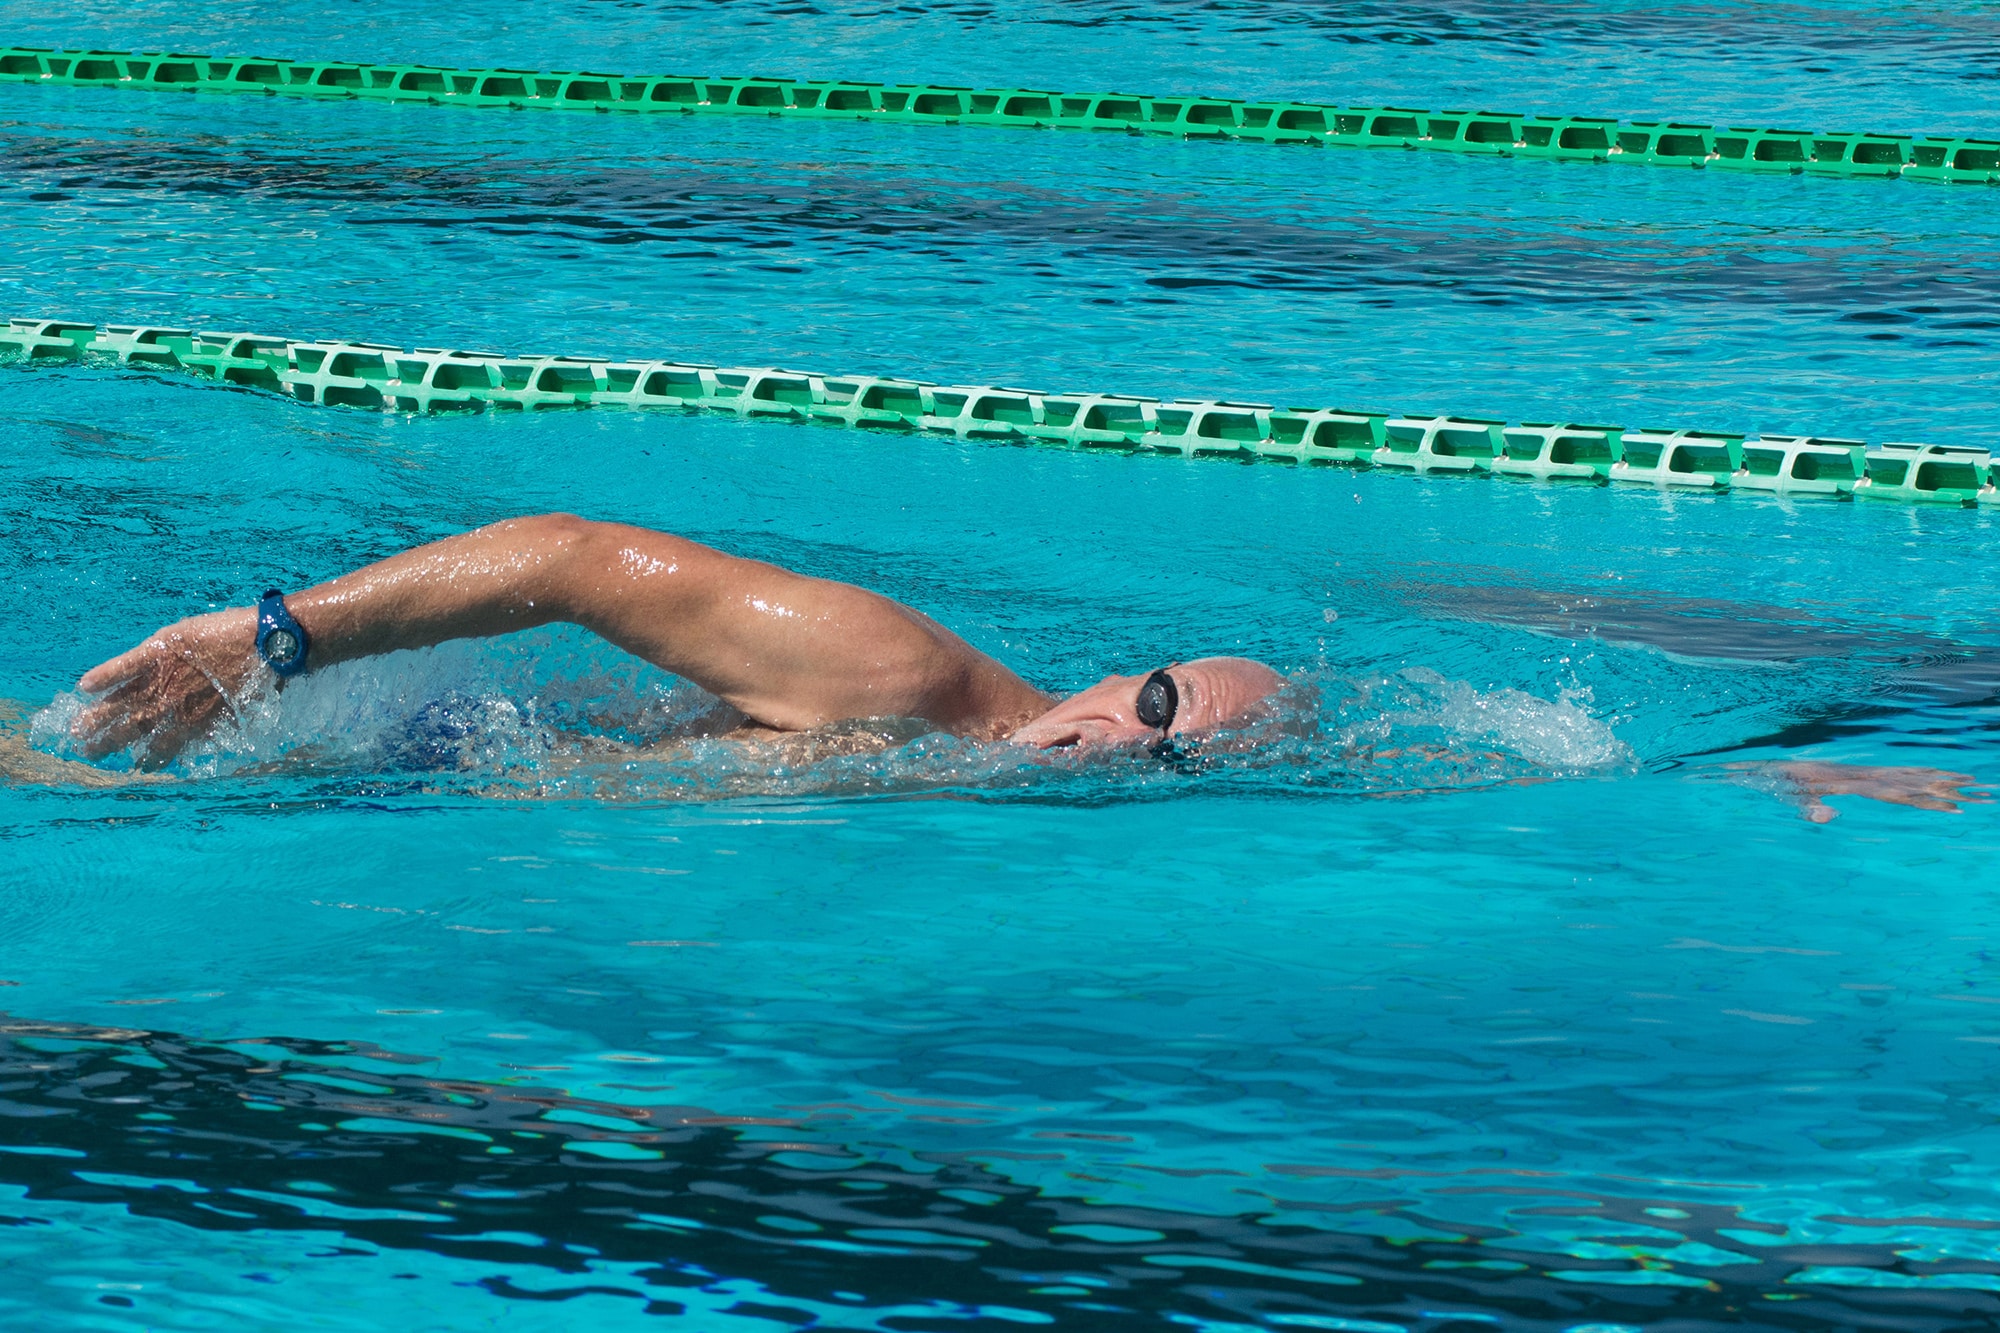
{"x":281,"y":640}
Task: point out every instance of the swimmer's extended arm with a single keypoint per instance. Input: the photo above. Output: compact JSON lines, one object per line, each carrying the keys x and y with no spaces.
{"x":786,"y":650}
{"x":1808,"y":782}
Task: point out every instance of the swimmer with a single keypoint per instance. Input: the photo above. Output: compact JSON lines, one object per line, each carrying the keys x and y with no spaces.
{"x":789,"y":652}
{"x":803,"y":660}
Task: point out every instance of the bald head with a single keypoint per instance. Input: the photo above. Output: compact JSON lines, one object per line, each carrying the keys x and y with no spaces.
{"x":1212,"y":693}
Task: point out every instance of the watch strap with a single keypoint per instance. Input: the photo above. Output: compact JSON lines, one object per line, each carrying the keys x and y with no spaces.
{"x":281,"y":641}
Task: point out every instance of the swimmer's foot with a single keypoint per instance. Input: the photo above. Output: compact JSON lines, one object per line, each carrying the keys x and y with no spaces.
{"x":1808,"y":782}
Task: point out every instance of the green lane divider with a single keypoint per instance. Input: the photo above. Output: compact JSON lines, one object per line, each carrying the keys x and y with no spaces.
{"x":383,"y":377}
{"x":1659,"y":143}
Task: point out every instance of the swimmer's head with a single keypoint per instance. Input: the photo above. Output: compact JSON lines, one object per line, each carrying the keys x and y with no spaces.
{"x":1194,"y":698}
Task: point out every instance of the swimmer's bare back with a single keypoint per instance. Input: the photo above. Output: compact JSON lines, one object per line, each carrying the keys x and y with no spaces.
{"x":788,"y":651}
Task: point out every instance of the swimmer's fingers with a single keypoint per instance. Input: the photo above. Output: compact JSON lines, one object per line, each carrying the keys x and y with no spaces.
{"x":132,"y":702}
{"x":1951,"y":787}
{"x":163,"y":709}
{"x":98,"y":721}
{"x":1942,"y":802}
{"x":168,"y":688}
{"x":1924,"y":801}
{"x":1919,"y":788}
{"x":161,"y":732}
{"x":120,"y":669}
{"x":115,"y":722}
{"x":1936,"y":781}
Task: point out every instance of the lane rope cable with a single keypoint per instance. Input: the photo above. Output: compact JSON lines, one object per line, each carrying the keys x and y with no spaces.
{"x":382,"y":377}
{"x":1943,"y":158}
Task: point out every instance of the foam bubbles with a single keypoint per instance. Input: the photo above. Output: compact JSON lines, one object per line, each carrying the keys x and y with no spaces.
{"x":49,"y":728}
{"x":1553,"y":734}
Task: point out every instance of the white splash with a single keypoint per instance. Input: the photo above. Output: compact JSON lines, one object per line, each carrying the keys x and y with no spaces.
{"x":1558,"y":734}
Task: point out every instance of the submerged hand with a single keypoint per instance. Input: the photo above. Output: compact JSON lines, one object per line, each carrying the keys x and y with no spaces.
{"x":170,"y":688}
{"x":1920,"y":788}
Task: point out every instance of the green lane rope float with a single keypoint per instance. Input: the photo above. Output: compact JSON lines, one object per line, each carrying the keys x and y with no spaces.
{"x":1660,"y":143}
{"x":381,"y":377}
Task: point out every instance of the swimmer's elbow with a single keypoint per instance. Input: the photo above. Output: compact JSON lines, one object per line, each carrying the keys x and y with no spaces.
{"x":600,"y":575}
{"x":548,"y":534}
{"x":564,"y":551}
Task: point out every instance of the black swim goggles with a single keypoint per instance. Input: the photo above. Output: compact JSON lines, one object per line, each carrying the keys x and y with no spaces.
{"x":1159,"y":700}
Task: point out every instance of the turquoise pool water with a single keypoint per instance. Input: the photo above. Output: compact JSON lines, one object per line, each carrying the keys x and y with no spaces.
{"x":1493,"y":997}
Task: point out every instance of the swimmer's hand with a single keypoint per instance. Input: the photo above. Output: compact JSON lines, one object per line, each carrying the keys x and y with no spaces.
{"x":170,"y":689}
{"x":1919,"y":788}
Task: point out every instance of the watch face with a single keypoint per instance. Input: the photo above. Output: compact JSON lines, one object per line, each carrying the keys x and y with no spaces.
{"x":281,"y":646}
